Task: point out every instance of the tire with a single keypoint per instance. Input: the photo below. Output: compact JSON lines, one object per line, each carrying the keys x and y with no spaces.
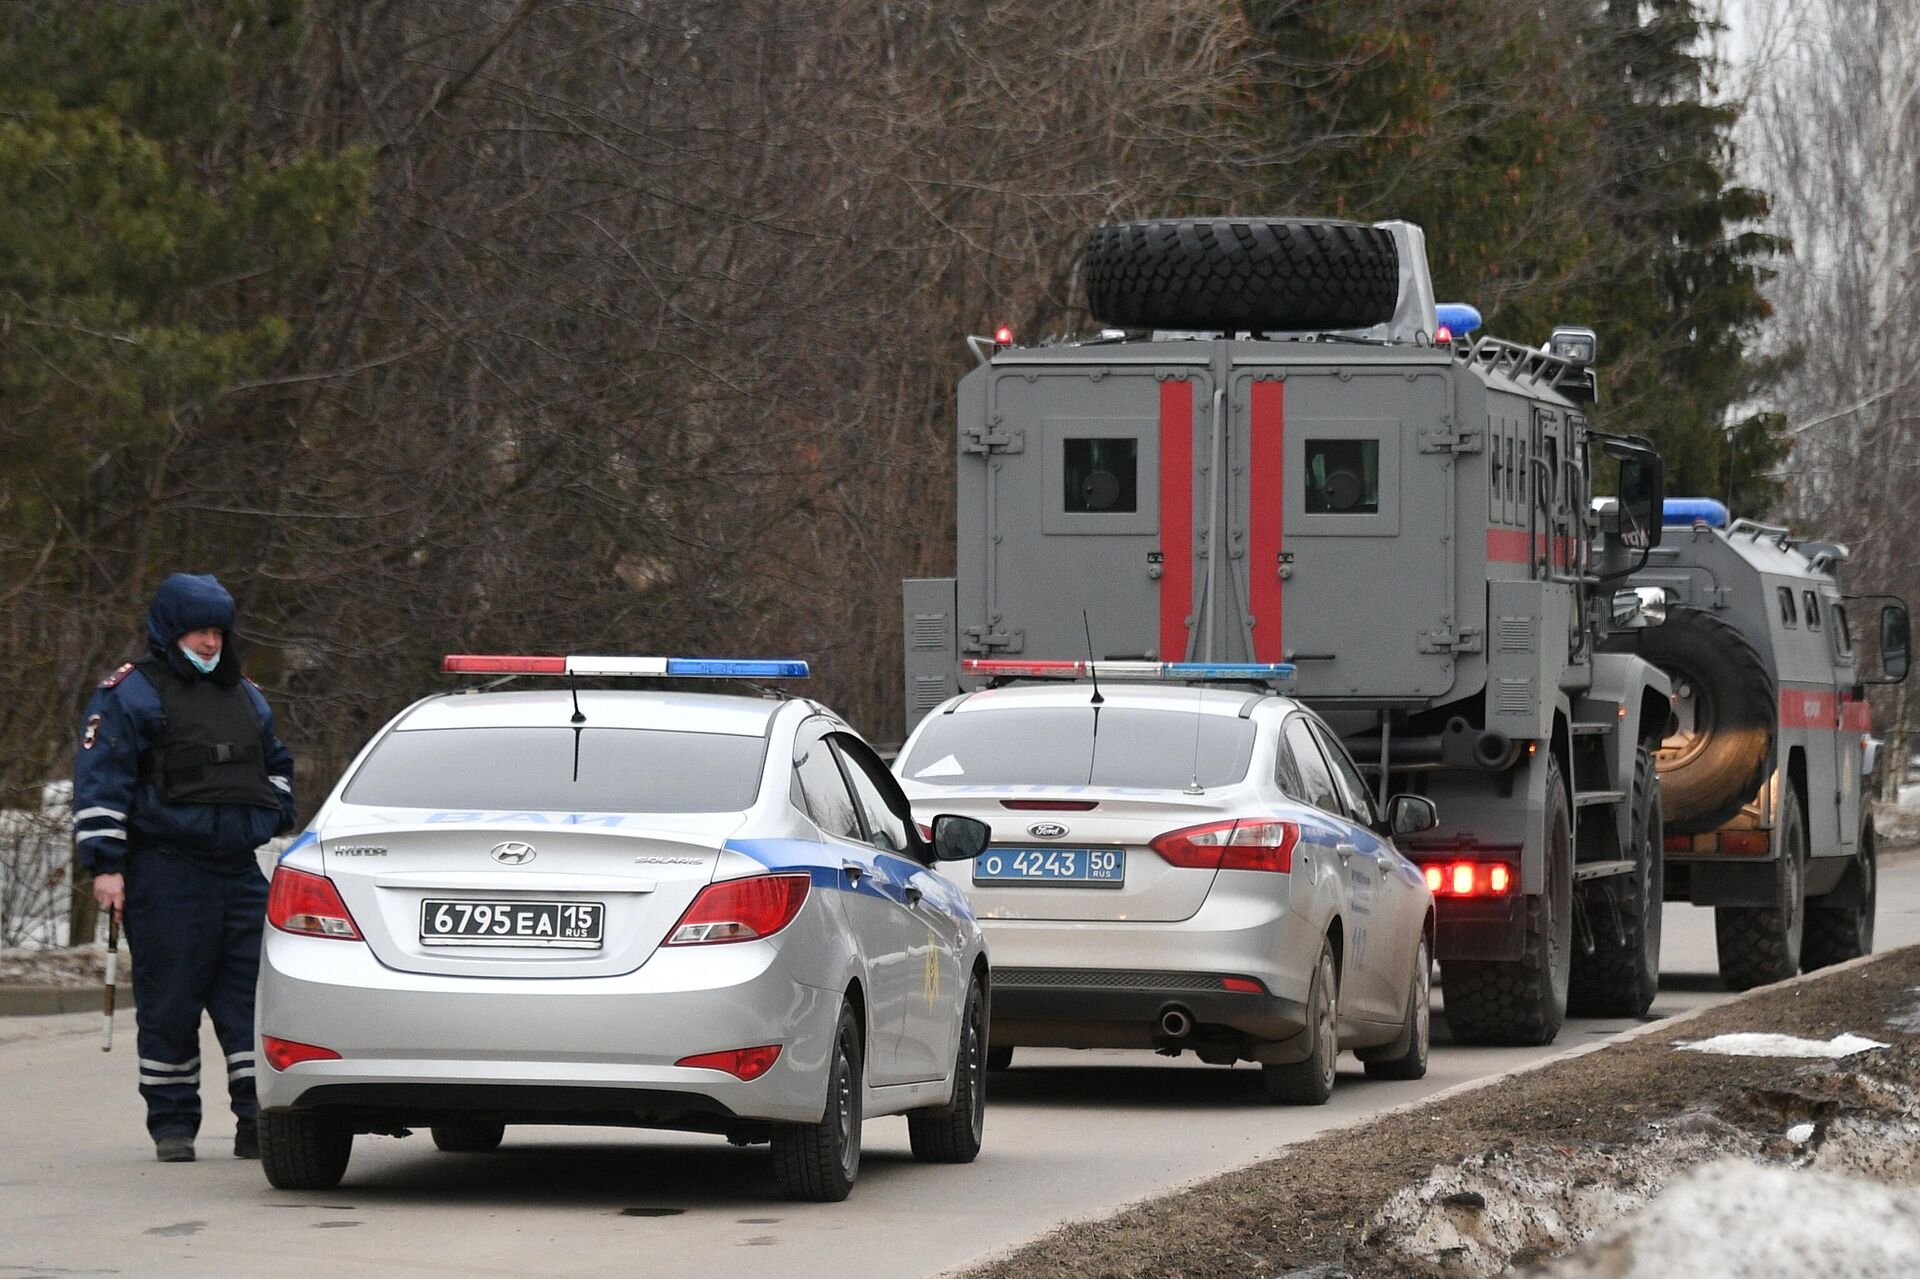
{"x":1835,"y":934}
{"x":1622,"y":975}
{"x":1412,"y":1064}
{"x":1242,"y":273}
{"x":1707,"y":776}
{"x":1000,"y":1058}
{"x":470,"y":1136}
{"x":1524,"y":1001}
{"x":1310,"y":1082}
{"x":1760,"y":945}
{"x":951,"y":1134}
{"x":302,"y":1150}
{"x":819,"y":1162}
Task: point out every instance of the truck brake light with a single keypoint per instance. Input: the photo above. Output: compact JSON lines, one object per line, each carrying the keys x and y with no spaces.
{"x":1469,"y":879}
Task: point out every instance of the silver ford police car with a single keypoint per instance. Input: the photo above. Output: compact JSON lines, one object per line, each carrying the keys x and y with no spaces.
{"x":1185,"y":865}
{"x":628,"y":907}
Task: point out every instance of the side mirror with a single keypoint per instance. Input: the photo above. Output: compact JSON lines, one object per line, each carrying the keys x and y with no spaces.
{"x":1411,"y":814}
{"x":1638,"y":607}
{"x":959,"y":839}
{"x":1642,"y":478}
{"x":1895,"y":641}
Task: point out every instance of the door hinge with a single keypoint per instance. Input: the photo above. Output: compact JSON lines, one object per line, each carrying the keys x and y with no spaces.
{"x":981,"y":639}
{"x":986,"y":439}
{"x":1445,"y":641}
{"x":1448,"y":438}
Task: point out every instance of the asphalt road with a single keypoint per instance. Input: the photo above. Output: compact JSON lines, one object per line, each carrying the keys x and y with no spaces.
{"x":1068,"y":1135}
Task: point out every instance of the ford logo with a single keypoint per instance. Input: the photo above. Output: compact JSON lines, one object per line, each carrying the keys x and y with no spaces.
{"x":1046,"y":830}
{"x":513,"y":853}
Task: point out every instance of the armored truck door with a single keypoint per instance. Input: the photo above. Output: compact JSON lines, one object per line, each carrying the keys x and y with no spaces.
{"x":1350,"y":522}
{"x":1078,"y":490}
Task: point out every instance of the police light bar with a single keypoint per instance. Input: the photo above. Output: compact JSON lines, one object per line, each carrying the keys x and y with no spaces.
{"x":638,"y":667}
{"x":1458,"y":318}
{"x":1007,"y":668}
{"x":1694,"y":510}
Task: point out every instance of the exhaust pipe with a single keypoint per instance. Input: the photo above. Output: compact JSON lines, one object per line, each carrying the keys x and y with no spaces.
{"x":1459,"y":746}
{"x":1176,"y":1023}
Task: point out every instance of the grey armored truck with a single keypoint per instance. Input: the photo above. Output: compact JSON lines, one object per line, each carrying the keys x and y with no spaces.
{"x":1279,"y":453}
{"x":1764,"y":774}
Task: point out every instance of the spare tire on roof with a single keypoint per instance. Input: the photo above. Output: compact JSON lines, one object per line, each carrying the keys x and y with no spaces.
{"x":1242,"y":273}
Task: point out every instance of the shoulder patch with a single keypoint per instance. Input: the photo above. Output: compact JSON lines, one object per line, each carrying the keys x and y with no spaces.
{"x":113,"y":680}
{"x":92,"y":734}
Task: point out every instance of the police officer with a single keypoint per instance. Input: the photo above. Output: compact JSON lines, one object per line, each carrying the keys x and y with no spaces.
{"x":177,"y":780}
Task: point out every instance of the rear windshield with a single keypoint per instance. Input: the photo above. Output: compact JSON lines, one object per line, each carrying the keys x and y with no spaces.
{"x":601,"y":770}
{"x":1058,"y":746}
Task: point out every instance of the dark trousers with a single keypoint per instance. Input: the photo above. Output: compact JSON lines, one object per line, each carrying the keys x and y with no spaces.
{"x":194,"y":935}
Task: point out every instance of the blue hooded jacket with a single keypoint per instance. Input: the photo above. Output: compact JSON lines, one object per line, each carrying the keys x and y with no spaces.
{"x":114,"y":811}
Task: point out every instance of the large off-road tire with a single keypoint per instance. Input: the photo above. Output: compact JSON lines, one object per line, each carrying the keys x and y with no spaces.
{"x":1707,"y":774}
{"x":304,"y":1150}
{"x":1622,"y":975}
{"x":951,"y":1134}
{"x":820,"y":1161}
{"x":1835,"y":934}
{"x":1524,"y":1001}
{"x":469,"y":1136}
{"x":1310,"y":1082}
{"x":1412,"y":1063}
{"x":1761,"y":944}
{"x":1242,"y":273}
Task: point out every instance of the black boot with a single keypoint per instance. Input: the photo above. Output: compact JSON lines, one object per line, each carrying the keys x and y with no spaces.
{"x":246,"y":1140}
{"x":177,"y":1149}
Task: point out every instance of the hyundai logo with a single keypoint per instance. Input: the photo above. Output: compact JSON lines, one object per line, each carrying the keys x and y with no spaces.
{"x":1046,"y":830}
{"x":513,"y":853}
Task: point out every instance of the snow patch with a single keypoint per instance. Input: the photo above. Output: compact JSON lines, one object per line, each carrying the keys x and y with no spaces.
{"x":1754,"y":1044}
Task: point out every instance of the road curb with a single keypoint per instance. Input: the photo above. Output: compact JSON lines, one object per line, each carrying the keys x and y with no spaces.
{"x":44,"y":1001}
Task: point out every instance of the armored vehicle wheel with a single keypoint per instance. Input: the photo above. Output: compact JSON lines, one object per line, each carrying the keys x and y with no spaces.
{"x":1761,"y":944}
{"x":1524,"y":1001}
{"x":1310,"y":1082}
{"x":1417,"y":1033}
{"x":469,"y":1136}
{"x":1725,"y":693}
{"x":302,"y":1150}
{"x":1843,"y":931}
{"x":1242,"y":273}
{"x":1622,"y":975}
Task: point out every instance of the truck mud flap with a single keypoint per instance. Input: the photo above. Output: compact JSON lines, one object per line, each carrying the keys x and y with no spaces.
{"x":1479,"y":930}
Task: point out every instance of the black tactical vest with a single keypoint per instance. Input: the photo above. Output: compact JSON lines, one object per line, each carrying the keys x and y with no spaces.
{"x":210,"y":750}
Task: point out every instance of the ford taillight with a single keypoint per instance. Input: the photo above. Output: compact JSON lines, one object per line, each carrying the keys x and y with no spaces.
{"x":1248,"y":844}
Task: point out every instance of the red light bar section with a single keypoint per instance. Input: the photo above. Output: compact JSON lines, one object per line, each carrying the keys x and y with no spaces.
{"x":492,"y":664}
{"x":1469,"y":879}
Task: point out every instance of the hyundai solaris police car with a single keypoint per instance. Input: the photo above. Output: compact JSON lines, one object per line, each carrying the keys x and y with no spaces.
{"x":1182,"y":864}
{"x":632,"y":907}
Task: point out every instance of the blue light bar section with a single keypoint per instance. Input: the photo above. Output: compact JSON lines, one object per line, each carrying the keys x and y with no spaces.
{"x":1695,"y":510}
{"x":737,"y":668}
{"x":1228,"y":670}
{"x":1459,"y":318}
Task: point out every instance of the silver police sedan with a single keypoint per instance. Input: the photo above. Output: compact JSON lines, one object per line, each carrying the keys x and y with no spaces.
{"x":1186,"y":865}
{"x":632,"y":907}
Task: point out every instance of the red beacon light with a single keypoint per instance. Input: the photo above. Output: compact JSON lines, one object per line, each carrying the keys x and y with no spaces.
{"x":1003,"y":335}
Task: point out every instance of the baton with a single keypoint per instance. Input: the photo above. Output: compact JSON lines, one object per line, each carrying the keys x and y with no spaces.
{"x":113,"y":964}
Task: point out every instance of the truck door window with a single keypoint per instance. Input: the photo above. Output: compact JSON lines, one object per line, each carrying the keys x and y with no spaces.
{"x":1788,"y":616}
{"x":1101,"y":475}
{"x":1343,"y":477}
{"x":1494,"y":506}
{"x":1842,"y":631}
{"x":1316,"y":781}
{"x":1812,"y":602}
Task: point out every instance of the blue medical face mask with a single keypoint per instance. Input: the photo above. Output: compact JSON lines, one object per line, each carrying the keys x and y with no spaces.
{"x":200,"y":663}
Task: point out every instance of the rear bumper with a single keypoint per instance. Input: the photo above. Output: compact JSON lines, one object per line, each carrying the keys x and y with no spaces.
{"x":1081,"y":1007}
{"x":568,"y":1048}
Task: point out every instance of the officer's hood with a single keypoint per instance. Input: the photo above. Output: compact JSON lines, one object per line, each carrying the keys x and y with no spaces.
{"x":188,"y":602}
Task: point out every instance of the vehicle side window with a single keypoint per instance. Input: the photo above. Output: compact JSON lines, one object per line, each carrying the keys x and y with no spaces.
{"x":1812,"y":602}
{"x":885,"y":829}
{"x":1287,"y":773}
{"x":1353,"y":787}
{"x":1316,"y":782}
{"x":829,"y":802}
{"x":1788,"y":615}
{"x":1842,"y":630}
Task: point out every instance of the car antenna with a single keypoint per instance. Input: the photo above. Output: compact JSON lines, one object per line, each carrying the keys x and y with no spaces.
{"x":1093,"y":666}
{"x":579,"y":718}
{"x":1199,"y":704}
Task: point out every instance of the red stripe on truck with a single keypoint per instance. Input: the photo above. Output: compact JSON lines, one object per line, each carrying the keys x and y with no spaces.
{"x":1267,"y":517}
{"x":1176,"y":516}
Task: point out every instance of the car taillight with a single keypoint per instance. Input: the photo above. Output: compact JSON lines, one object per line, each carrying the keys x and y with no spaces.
{"x":742,"y":1063}
{"x":1251,"y":844}
{"x":308,"y":904}
{"x":282,"y":1053}
{"x":1469,"y":879}
{"x":740,"y":910}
